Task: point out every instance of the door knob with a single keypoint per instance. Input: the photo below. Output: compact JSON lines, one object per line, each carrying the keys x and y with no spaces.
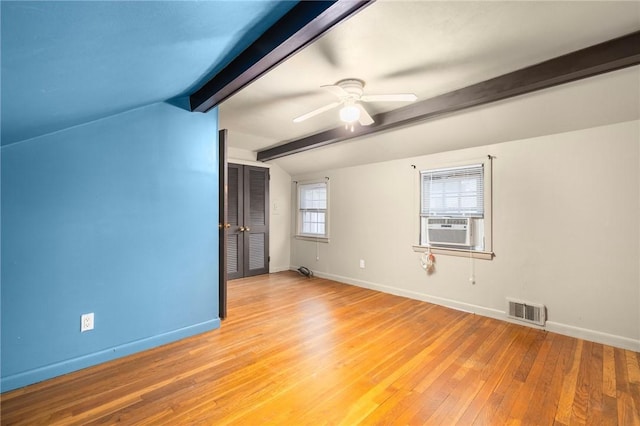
{"x":247,"y":229}
{"x":227,"y":225}
{"x":241,"y":229}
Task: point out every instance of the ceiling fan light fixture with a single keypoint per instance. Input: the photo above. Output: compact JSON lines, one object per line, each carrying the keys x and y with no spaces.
{"x":350,"y":95}
{"x":350,"y":113}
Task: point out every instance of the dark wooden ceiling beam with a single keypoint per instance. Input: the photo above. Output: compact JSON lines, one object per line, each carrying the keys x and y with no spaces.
{"x":601,"y":58}
{"x":304,"y":23}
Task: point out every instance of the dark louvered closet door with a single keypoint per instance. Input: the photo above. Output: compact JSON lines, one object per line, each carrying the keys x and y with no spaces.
{"x":235,"y":237}
{"x":248,"y":216}
{"x":256,"y":219}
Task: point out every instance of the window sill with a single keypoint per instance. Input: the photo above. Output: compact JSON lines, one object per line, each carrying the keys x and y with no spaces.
{"x":485,"y":255}
{"x":311,"y":238}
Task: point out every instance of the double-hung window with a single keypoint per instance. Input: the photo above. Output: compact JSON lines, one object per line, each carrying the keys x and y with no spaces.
{"x":313,"y":212}
{"x":454,"y":206}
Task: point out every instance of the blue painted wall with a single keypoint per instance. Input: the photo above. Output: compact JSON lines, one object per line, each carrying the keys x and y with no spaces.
{"x":116,"y":217}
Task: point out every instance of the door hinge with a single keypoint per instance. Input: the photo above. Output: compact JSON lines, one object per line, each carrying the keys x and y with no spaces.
{"x":268,"y":258}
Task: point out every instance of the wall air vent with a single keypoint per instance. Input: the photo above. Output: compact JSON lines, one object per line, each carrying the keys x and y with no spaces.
{"x":526,"y":311}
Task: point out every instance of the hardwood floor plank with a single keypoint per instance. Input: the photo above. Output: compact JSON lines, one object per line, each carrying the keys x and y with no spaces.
{"x":454,"y":406}
{"x":367,"y":402}
{"x":541,"y":362}
{"x":501,"y":377}
{"x":495,"y":356}
{"x":567,"y":394}
{"x":551,"y":398}
{"x":297,"y":351}
{"x":543,"y":385}
{"x":608,"y":372}
{"x":512,"y":396}
{"x":581,"y":394}
{"x":438,"y":386}
{"x":628,"y":407}
{"x":530,"y":356}
{"x":365,"y":378}
{"x":594,"y":397}
{"x":340,"y":366}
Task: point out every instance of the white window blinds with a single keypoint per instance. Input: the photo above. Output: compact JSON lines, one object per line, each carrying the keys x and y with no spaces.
{"x":312,"y":217}
{"x":454,"y":192}
{"x":313,"y":196}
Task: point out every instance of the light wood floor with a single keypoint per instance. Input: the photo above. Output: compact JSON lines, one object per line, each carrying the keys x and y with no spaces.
{"x":299,"y":351}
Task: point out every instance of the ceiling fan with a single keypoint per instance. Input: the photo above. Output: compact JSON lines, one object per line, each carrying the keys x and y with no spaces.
{"x":350,"y":94}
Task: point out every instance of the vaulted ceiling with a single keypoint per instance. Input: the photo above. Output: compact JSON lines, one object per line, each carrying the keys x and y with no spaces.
{"x":430,"y":48}
{"x":68,"y":63}
{"x":65,"y":63}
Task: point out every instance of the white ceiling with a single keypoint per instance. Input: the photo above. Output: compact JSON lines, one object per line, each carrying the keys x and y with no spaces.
{"x":429,"y":48}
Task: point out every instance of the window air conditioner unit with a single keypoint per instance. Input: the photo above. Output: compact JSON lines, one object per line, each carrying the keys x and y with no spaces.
{"x":449,"y":231}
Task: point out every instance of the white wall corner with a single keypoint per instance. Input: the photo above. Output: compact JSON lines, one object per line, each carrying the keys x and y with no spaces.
{"x":279,"y":219}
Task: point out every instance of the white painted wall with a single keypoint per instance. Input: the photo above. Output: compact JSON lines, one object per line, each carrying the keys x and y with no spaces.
{"x":566,"y":232}
{"x":280,"y":219}
{"x":236,"y":155}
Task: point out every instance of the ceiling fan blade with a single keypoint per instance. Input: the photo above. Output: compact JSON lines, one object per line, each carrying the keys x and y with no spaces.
{"x":365,"y":119}
{"x":316,"y":112}
{"x":336,"y":90}
{"x":400,"y":97}
{"x":272,"y":101}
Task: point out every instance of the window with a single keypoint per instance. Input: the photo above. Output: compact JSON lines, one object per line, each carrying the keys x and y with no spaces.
{"x":455,"y":207}
{"x":454,"y":192}
{"x":312,"y":209}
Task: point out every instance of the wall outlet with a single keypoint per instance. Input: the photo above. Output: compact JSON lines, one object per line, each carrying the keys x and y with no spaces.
{"x":362,"y":263}
{"x":86,"y":322}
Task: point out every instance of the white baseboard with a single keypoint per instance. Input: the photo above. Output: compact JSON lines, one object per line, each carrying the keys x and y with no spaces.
{"x":594,"y":336}
{"x":274,"y":269}
{"x":565,"y":329}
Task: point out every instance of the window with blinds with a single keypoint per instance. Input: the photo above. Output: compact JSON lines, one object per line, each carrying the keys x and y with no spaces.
{"x":453,"y":192}
{"x":453,"y":207}
{"x":312,"y":209}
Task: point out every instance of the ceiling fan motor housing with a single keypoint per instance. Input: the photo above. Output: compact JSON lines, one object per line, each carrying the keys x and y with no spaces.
{"x":349,"y":92}
{"x":353,"y":86}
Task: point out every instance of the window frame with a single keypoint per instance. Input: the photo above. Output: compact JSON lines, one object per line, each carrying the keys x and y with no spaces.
{"x":299,"y":211}
{"x":487,"y":221}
